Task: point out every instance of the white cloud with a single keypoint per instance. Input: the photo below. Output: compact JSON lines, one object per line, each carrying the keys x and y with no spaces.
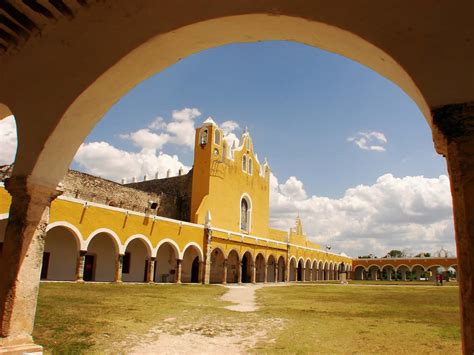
{"x":394,"y":213}
{"x":105,"y":160}
{"x":373,"y":141}
{"x":8,"y":140}
{"x":180,"y":130}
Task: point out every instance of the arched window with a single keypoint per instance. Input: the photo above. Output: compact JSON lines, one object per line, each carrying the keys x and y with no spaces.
{"x":217,"y":137}
{"x":245,"y":214}
{"x":203,"y":137}
{"x":250,"y":166}
{"x":244,"y":163}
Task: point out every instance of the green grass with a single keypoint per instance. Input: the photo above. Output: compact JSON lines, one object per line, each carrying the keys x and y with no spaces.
{"x":345,"y":319}
{"x":75,"y":318}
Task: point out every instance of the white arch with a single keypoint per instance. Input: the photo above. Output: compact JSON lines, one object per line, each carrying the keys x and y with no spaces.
{"x":115,"y":237}
{"x":172,"y":243}
{"x":300,"y":259}
{"x":292,"y":258}
{"x":402,"y":265}
{"x":378,"y":267}
{"x":72,"y":228}
{"x":196,"y":245}
{"x":414,"y":266}
{"x":236,"y":251}
{"x":142,"y":238}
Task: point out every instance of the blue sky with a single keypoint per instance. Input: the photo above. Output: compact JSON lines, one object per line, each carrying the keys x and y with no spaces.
{"x":350,"y":153}
{"x":300,"y":104}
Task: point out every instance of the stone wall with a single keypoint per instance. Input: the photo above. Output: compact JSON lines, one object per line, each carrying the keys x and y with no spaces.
{"x":171,"y":194}
{"x":175,"y":194}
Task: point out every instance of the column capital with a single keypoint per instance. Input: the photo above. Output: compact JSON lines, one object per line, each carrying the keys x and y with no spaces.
{"x":455,"y":120}
{"x":24,"y":187}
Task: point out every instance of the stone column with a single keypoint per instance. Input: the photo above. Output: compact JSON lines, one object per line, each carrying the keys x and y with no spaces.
{"x":453,"y":131}
{"x":81,"y":260}
{"x":418,"y":274}
{"x":275,"y":274}
{"x":224,"y":277}
{"x":403,"y":273}
{"x":287,"y":271}
{"x":150,"y":277}
{"x":389,"y":275}
{"x":118,"y":268}
{"x":240,"y":273}
{"x":207,"y":258}
{"x":21,"y":261}
{"x":373,"y":274}
{"x":179,"y":270}
{"x":254,"y":273}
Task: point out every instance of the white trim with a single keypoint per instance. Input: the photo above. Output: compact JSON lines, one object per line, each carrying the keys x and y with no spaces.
{"x":170,"y":241}
{"x":194,"y":244}
{"x":130,"y":212}
{"x":110,"y":232}
{"x":292,"y":258}
{"x":73,"y":229}
{"x":4,"y":216}
{"x":141,"y":237}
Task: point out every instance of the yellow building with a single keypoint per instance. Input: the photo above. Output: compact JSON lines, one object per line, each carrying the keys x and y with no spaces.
{"x":210,"y":225}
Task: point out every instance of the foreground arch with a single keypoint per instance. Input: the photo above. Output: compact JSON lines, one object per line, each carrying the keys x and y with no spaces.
{"x":191,"y":264}
{"x":166,"y":264}
{"x":84,"y":96}
{"x":101,"y":261}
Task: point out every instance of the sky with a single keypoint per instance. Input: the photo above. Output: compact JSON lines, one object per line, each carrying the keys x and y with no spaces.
{"x":349,"y":151}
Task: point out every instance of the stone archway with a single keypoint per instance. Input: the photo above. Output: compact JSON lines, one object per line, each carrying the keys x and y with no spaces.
{"x":360,"y":273}
{"x":233,"y":267}
{"x":101,"y":258}
{"x":292,"y":271}
{"x":166,"y":264}
{"x":271,"y":269}
{"x":136,"y":261}
{"x":191,"y":265}
{"x":300,"y":271}
{"x":86,"y":95}
{"x":247,"y":267}
{"x":61,"y":252}
{"x":260,"y":267}
{"x":281,"y":269}
{"x":217,"y":266}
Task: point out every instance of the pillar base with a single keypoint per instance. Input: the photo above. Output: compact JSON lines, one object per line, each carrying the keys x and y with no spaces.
{"x":19,"y":346}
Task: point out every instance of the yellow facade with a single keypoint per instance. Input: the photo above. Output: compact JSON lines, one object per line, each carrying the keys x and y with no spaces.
{"x":223,"y":177}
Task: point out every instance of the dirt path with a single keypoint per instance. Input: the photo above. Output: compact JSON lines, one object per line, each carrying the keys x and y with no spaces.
{"x":210,"y":336}
{"x":243,"y":296}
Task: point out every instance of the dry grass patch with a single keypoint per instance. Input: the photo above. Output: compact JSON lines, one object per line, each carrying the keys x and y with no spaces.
{"x":365,"y":319}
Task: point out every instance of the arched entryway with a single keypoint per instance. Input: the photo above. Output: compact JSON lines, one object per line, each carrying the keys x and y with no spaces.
{"x":233,"y":267}
{"x":191,"y":265}
{"x":101,"y":258}
{"x":260,"y":268}
{"x":300,"y":271}
{"x":271,"y":269}
{"x":61,"y":252}
{"x":166,"y":263}
{"x":293,"y":273}
{"x":359,"y":273}
{"x":247,"y":267}
{"x":136,"y":261}
{"x":315,"y":274}
{"x":217,"y":266}
{"x":281,"y":269}
{"x":374,"y":272}
{"x":308,"y":272}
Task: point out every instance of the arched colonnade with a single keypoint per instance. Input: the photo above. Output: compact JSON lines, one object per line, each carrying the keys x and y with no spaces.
{"x":416,"y":272}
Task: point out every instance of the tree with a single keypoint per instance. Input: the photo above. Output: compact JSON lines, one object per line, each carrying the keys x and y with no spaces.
{"x":395,"y":254}
{"x":423,"y":255}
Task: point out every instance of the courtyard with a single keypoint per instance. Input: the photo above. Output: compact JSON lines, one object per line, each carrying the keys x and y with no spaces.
{"x":361,"y":317}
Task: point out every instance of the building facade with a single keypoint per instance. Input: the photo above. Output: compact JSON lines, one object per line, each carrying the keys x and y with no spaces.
{"x":210,"y":225}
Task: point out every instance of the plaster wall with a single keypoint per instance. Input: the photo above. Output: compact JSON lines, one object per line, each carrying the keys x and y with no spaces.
{"x":63,"y":249}
{"x":138,"y":257}
{"x":103,"y":248}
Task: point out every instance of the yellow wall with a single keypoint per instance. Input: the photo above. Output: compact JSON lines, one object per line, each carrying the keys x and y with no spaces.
{"x":224,"y":182}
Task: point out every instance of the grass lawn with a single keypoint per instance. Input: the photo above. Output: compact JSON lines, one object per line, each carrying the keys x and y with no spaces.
{"x":365,"y":319}
{"x":312,"y":318}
